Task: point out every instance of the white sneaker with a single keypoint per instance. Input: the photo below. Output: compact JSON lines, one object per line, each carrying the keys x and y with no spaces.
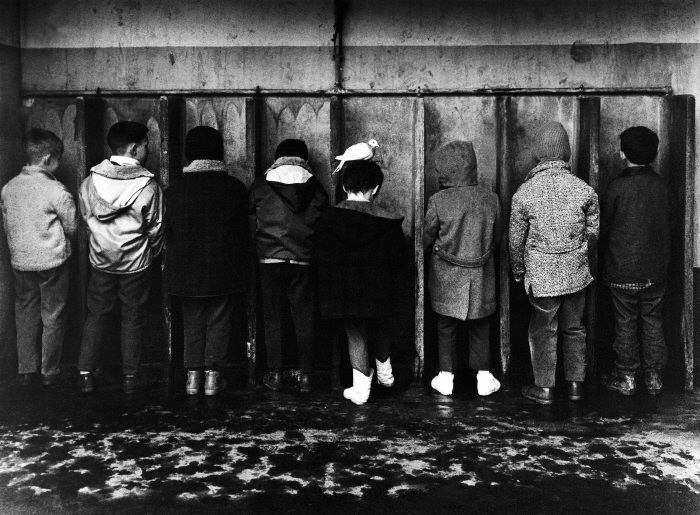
{"x":361,"y":385}
{"x":443,"y":382}
{"x":385,"y":375}
{"x":486,"y":384}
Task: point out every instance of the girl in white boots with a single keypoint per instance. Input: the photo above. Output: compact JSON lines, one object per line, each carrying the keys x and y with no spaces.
{"x":461,"y":230}
{"x":359,"y":249}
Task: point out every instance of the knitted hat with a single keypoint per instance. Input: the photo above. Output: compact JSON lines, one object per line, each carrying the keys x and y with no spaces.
{"x":292,"y":148}
{"x":552,"y":142}
{"x":639,"y":144}
{"x":204,"y":143}
{"x":456,"y":164}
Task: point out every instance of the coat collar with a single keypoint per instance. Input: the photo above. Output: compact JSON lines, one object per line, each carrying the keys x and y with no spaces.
{"x":556,"y":166}
{"x":205,"y":165}
{"x":37,"y":170}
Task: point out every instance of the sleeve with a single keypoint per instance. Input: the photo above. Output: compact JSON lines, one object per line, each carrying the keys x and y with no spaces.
{"x":592,"y":210}
{"x":431,"y":225}
{"x":65,"y":209}
{"x":517,"y":234}
{"x":4,"y":211}
{"x":155,"y":212}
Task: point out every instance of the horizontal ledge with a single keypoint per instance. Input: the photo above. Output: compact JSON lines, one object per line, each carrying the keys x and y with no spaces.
{"x":497,"y":91}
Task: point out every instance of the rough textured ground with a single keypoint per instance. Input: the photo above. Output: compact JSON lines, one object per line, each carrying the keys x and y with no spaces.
{"x":407,"y":450}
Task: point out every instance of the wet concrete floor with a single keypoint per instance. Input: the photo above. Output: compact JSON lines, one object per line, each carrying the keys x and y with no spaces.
{"x":407,"y":450}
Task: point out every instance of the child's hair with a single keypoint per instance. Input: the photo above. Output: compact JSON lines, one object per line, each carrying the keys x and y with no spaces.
{"x":292,"y":148}
{"x":123,"y":134}
{"x":204,"y":143}
{"x":639,"y":144}
{"x":361,"y":176}
{"x":37,"y":143}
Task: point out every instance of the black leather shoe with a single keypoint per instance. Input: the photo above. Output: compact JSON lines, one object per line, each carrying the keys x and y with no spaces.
{"x":538,"y":394}
{"x":305,"y":383}
{"x":653,"y":382}
{"x":273,"y":380}
{"x":575,"y":390}
{"x":129,"y":384}
{"x":50,"y":380}
{"x":87,"y":383}
{"x":620,"y":382}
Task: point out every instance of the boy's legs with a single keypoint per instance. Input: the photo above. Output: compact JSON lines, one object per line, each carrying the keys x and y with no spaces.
{"x":651,"y":319}
{"x":273,"y":303}
{"x":302,"y":301}
{"x":542,"y":336}
{"x":479,"y":348}
{"x":356,"y":331}
{"x":195,"y":329}
{"x":219,"y":315}
{"x":27,"y":320}
{"x":133,"y":294}
{"x":101,"y":298}
{"x":447,"y":337}
{"x":380,"y":335}
{"x":626,"y":344}
{"x":54,"y":287}
{"x":573,"y":335}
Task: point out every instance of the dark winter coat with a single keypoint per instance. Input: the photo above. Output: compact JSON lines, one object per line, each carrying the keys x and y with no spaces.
{"x":461,"y":230}
{"x":636,"y":221}
{"x":359,"y":250}
{"x":284,"y":214}
{"x":206,"y":232}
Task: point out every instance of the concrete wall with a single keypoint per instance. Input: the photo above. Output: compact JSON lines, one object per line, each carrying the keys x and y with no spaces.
{"x":10,"y":161}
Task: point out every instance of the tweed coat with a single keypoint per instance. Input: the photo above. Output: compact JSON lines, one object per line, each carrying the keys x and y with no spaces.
{"x":462,"y":228}
{"x":553,"y":215}
{"x":206,"y":232}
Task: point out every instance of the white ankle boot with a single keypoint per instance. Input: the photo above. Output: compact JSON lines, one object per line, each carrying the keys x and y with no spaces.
{"x":361,"y":385}
{"x":213,"y":382}
{"x":486,"y":384}
{"x":443,"y":382}
{"x":385,"y":375}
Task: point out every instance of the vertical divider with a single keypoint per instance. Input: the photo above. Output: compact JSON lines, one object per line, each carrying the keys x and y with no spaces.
{"x":418,"y":216}
{"x":254,"y":130}
{"x":504,"y":171}
{"x":588,"y":170}
{"x":336,"y":147}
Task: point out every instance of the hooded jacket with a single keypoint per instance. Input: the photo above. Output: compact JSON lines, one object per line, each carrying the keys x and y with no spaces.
{"x":359,"y":249}
{"x":284,"y":205}
{"x":461,"y":230}
{"x":553,"y":215}
{"x":206,"y":232}
{"x":123,"y":209}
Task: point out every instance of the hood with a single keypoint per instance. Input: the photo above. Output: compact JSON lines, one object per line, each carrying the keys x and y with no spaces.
{"x":205,"y":165}
{"x":455,"y":164}
{"x":292,"y":179}
{"x":357,"y":227}
{"x":113,"y":188}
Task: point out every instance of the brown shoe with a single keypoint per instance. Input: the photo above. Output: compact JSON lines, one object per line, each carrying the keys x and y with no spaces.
{"x":620,"y":382}
{"x":305,"y":383}
{"x":575,"y":390}
{"x":273,"y":380}
{"x":538,"y":394}
{"x":653,"y":382}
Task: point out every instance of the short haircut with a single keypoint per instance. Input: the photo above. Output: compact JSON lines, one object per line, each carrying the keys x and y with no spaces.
{"x":37,"y":143}
{"x":361,"y":176}
{"x":204,"y":143}
{"x":292,"y":148}
{"x":123,"y":134}
{"x":639,"y":144}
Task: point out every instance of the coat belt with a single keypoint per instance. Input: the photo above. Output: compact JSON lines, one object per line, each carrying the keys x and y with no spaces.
{"x":464,"y":263}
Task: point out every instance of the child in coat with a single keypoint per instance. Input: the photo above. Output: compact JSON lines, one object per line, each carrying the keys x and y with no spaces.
{"x":461,"y":230}
{"x":359,"y":247}
{"x":40,"y":220}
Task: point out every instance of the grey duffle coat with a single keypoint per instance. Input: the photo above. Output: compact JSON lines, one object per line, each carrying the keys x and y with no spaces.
{"x":461,"y":231}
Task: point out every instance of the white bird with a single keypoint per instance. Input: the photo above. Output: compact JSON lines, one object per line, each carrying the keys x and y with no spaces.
{"x":357,"y":152}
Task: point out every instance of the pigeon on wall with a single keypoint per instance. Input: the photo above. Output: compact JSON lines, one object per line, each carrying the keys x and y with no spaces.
{"x":357,"y":152}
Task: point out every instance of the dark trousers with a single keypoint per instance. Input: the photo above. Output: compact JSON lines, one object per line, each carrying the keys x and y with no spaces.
{"x":103,"y":291}
{"x":479,"y":349}
{"x":285,"y":284}
{"x":548,"y":316}
{"x":638,"y":318}
{"x":40,"y":299}
{"x":207,"y":324}
{"x":363,"y":333}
